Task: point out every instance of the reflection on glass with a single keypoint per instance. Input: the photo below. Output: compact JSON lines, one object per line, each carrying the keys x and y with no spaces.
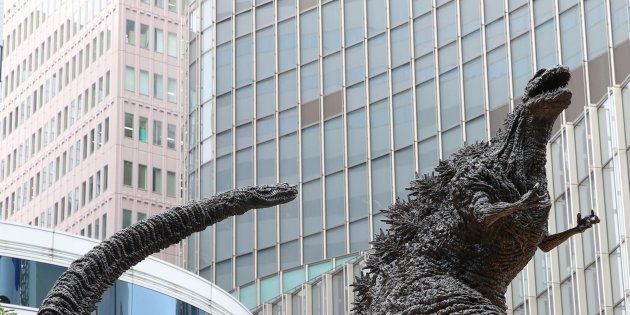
{"x":26,"y":283}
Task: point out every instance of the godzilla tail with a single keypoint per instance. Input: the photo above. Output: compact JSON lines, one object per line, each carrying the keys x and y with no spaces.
{"x":77,"y":290}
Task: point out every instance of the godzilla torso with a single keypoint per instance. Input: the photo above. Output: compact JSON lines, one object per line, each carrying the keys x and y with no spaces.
{"x":438,"y":258}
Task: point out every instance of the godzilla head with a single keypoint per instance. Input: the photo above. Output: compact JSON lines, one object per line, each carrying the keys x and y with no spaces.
{"x":262,"y":196}
{"x":546,"y":94}
{"x":522,"y":146}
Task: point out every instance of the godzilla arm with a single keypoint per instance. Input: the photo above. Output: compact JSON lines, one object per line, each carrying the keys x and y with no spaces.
{"x":486,"y":213}
{"x":552,"y":241}
{"x":77,"y":290}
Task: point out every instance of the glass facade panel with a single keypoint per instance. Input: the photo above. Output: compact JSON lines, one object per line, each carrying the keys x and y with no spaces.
{"x":449,"y":99}
{"x":335,"y":209}
{"x":451,"y":141}
{"x":332,"y":73}
{"x":353,"y":18}
{"x":311,"y":152}
{"x":358,"y":192}
{"x":379,"y":128}
{"x":333,"y":147}
{"x":244,"y":55}
{"x":313,"y":248}
{"x":377,"y":55}
{"x":427,"y":155}
{"x":446,"y":23}
{"x":470,"y":16}
{"x":473,"y":88}
{"x":359,"y":235}
{"x":265,"y":57}
{"x":403,"y":119}
{"x":355,"y":64}
{"x":287,"y":55}
{"x":423,"y":34}
{"x":309,"y":39}
{"x":244,"y":104}
{"x":287,"y":90}
{"x":521,"y":63}
{"x":381,"y":188}
{"x":497,"y":77}
{"x":265,"y":98}
{"x":570,"y":39}
{"x":376,"y":16}
{"x":267,"y":262}
{"x":546,"y":55}
{"x":405,"y":166}
{"x":224,"y":68}
{"x":309,"y":78}
{"x":312,"y":207}
{"x":425,"y":104}
{"x":596,"y":33}
{"x":266,"y":163}
{"x":331,"y":27}
{"x":400,"y":45}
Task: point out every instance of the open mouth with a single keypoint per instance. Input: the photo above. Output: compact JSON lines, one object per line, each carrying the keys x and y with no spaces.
{"x":547,"y":94}
{"x":548,"y":81}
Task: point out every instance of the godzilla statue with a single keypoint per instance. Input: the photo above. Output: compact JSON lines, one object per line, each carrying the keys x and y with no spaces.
{"x":78,"y":289}
{"x":466,"y":232}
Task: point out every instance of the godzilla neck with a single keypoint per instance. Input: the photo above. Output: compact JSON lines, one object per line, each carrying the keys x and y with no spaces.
{"x":526,"y":158}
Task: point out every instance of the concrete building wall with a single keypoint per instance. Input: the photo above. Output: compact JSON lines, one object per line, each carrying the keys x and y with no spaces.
{"x":73,"y":72}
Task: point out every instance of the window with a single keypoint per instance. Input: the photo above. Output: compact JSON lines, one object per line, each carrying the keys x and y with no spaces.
{"x":129,"y":125}
{"x":287,"y":45}
{"x":172,"y":5}
{"x":126,"y":218}
{"x":171,"y":45}
{"x":142,"y":129}
{"x":130,"y":79}
{"x":101,"y":89}
{"x":142,"y":176}
{"x":130,"y":35}
{"x":170,"y":184}
{"x":107,"y":83}
{"x":99,"y":136}
{"x":172,"y":90}
{"x":144,"y":36}
{"x":97,"y":186}
{"x":106,"y":138}
{"x":143,"y":84}
{"x":157,"y":132}
{"x":159,"y":3}
{"x":92,"y":141}
{"x":127,"y":173}
{"x":104,"y":227}
{"x":105,"y":177}
{"x":158,"y":41}
{"x":157,"y":180}
{"x":170,"y":136}
{"x":158,"y":86}
{"x":141,"y":216}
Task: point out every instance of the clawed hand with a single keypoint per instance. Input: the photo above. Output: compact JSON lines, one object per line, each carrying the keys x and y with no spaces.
{"x":536,"y":197}
{"x":584,"y":223}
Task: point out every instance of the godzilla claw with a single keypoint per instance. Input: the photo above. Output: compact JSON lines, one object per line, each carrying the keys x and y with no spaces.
{"x":535,"y":197}
{"x":585,"y":223}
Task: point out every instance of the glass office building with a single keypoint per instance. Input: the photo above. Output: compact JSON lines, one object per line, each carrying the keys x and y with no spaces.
{"x":349,"y":98}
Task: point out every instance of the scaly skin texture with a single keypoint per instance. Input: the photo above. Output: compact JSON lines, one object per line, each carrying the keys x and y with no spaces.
{"x":467,"y":230}
{"x":78,"y":289}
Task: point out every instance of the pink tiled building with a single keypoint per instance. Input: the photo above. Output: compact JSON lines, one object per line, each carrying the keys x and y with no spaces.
{"x":90,"y":137}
